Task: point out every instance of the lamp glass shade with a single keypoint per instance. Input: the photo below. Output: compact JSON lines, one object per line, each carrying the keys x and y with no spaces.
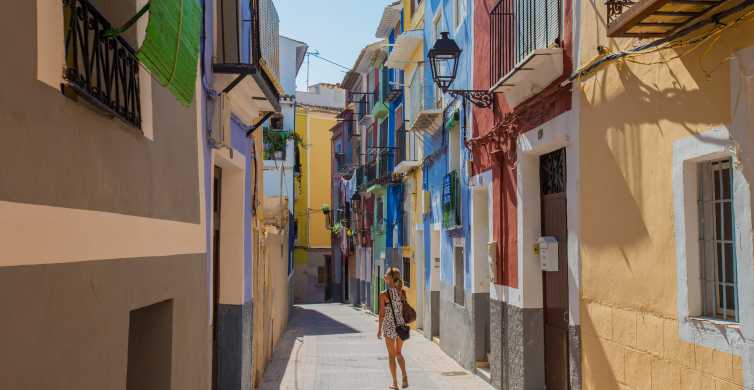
{"x":443,"y":58}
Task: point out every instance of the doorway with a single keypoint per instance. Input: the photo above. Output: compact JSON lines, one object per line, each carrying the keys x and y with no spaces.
{"x":346,"y":280}
{"x":480,"y":233}
{"x":552,"y":174}
{"x":216,"y":214}
{"x":328,"y":278}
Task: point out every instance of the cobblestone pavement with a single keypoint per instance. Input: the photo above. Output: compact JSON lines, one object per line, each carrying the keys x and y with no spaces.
{"x":334,"y":347}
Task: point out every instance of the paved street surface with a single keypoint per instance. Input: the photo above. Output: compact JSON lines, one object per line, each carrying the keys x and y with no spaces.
{"x":334,"y":347}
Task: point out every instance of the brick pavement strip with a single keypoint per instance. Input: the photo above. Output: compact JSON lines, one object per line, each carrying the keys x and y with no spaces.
{"x":334,"y":347}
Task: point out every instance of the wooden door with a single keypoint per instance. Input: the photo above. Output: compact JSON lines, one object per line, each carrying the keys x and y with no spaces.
{"x":555,"y":284}
{"x":216,"y":213}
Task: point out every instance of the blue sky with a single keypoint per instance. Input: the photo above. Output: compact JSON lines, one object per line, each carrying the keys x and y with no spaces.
{"x":338,"y":29}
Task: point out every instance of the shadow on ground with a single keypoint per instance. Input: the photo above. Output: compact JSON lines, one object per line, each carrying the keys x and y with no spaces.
{"x":307,"y":322}
{"x":301,"y":322}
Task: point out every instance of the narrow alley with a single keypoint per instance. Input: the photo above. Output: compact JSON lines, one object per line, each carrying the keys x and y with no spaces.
{"x":334,"y":346}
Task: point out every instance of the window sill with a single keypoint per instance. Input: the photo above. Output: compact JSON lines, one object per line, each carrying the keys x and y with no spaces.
{"x":713,"y":333}
{"x":708,"y":321}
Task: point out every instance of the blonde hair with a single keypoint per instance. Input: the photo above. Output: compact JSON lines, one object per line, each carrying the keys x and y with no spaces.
{"x":395,"y":275}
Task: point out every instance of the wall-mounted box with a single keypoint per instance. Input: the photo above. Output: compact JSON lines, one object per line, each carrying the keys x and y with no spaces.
{"x":548,"y":253}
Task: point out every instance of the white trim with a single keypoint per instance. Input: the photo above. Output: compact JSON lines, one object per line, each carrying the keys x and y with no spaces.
{"x":481,"y":191}
{"x":687,"y":152}
{"x":559,"y":132}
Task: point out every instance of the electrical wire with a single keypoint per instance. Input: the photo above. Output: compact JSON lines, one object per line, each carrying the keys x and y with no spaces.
{"x":673,"y":41}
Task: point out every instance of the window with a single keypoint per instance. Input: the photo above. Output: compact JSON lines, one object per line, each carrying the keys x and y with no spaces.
{"x":459,"y":11}
{"x":119,"y":93}
{"x":717,"y":249}
{"x":459,"y":265}
{"x":407,"y":271}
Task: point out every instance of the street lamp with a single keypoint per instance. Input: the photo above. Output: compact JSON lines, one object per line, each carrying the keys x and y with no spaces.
{"x":443,"y":58}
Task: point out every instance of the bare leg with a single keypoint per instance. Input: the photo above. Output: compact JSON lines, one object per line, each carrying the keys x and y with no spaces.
{"x":401,"y":360}
{"x":390,"y":343}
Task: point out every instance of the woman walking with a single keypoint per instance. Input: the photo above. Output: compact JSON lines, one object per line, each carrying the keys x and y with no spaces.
{"x":391,"y":317}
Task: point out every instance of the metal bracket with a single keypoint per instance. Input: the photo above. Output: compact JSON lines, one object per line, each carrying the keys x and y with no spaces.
{"x":479,"y":98}
{"x":261,"y":121}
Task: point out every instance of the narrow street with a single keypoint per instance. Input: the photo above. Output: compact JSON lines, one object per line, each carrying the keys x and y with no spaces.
{"x":334,"y":346}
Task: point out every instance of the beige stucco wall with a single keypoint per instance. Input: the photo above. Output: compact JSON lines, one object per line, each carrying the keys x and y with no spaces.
{"x":630,"y":115}
{"x":98,"y":219}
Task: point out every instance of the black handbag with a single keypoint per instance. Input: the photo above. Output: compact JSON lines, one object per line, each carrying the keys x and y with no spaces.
{"x":403,"y":331}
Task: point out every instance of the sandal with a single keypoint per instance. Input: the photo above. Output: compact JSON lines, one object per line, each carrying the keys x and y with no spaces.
{"x":405,"y":382}
{"x":393,"y":387}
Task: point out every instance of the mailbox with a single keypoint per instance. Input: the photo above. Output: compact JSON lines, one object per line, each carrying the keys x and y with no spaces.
{"x":548,"y":253}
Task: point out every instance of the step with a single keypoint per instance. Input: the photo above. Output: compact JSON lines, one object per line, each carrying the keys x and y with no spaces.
{"x":484,"y":373}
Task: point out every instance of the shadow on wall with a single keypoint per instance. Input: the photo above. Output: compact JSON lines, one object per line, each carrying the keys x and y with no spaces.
{"x":633,"y":114}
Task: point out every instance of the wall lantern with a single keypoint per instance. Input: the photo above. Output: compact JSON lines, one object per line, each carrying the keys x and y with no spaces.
{"x":443,"y":58}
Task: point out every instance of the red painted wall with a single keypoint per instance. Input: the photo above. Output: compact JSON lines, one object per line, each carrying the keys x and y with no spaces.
{"x":493,"y":139}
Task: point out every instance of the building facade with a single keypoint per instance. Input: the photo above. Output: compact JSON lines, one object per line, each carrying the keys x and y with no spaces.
{"x":104,"y":266}
{"x":667,"y":135}
{"x":241,"y":65}
{"x":150,"y":208}
{"x":523,"y":54}
{"x":317,"y":277}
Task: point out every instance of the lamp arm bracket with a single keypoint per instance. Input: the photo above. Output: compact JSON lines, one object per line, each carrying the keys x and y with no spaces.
{"x":479,"y":98}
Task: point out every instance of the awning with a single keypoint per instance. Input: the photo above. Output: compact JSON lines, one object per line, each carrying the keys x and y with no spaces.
{"x":171,"y":47}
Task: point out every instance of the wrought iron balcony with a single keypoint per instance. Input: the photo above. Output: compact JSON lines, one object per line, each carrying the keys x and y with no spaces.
{"x":102,"y":70}
{"x":406,"y":151}
{"x":248,"y":45}
{"x":525,"y":48}
{"x":653,"y":18}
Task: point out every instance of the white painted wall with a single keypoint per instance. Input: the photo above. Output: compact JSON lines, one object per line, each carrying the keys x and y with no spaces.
{"x":325,"y":95}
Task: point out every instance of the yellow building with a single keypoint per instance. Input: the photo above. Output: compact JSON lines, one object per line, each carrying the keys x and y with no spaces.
{"x":316,"y":112}
{"x":665,"y":155}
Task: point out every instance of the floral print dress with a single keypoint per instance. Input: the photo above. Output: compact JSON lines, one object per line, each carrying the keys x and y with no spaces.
{"x":388,"y":323}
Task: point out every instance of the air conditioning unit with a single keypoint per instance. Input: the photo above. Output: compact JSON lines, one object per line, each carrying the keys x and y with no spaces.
{"x":217,"y":124}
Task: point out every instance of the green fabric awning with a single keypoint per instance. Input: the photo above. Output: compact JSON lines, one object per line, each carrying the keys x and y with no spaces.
{"x":171,"y":47}
{"x":380,"y":111}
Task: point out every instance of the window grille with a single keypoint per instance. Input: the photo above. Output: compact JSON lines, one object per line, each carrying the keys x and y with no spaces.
{"x":716,"y":240}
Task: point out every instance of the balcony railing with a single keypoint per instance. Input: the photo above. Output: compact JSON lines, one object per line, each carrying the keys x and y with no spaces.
{"x":385,"y":166}
{"x":269,"y":36}
{"x":416,"y":103}
{"x":363,"y":102}
{"x":406,"y":146}
{"x":518,"y":28}
{"x":248,"y":45}
{"x":648,"y":18}
{"x":103,"y":70}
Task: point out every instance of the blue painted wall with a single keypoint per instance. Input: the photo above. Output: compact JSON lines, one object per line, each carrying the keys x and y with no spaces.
{"x":435,"y":146}
{"x":238,"y":141}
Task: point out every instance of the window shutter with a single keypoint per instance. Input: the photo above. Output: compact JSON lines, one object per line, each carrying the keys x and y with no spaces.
{"x":171,"y":46}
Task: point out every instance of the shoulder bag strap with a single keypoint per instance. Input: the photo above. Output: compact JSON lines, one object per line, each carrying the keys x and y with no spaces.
{"x":392,"y":309}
